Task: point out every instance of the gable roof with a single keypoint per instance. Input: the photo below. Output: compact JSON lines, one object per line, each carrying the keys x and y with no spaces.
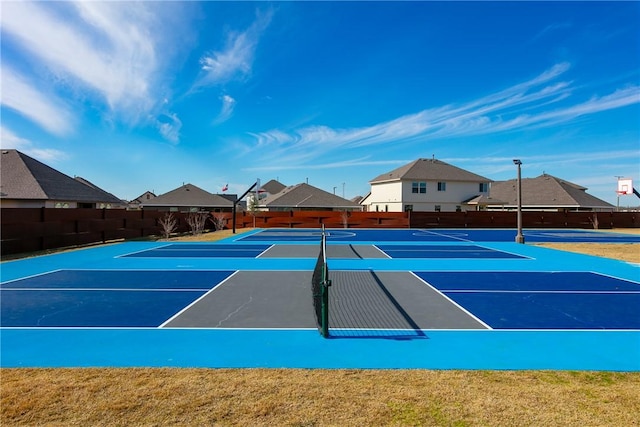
{"x":25,"y":178}
{"x":547,"y":190}
{"x":147,"y":195}
{"x":482,"y":200}
{"x":95,"y":187}
{"x":306,"y":196}
{"x":273,"y":187}
{"x":189,"y":195}
{"x":429,"y":170}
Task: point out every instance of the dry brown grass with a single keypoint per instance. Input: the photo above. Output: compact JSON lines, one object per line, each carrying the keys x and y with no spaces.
{"x":296,"y":397}
{"x":629,"y":252}
{"x":259,"y":397}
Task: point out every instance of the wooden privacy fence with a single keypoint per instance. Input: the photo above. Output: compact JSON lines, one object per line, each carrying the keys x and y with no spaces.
{"x":537,"y":219}
{"x":33,"y":229}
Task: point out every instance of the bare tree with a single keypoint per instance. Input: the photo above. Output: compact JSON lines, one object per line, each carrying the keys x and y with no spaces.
{"x":253,"y":204}
{"x":169,"y":224}
{"x":197,"y":221}
{"x":345,"y":218}
{"x":218,"y":220}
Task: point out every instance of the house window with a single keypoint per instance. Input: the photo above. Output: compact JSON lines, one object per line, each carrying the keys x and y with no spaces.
{"x":442,"y":186}
{"x":438,"y":208}
{"x":484,"y":187}
{"x":418,"y":187}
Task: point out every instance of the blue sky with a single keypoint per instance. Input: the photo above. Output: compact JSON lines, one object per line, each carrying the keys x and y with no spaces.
{"x":150,"y":95}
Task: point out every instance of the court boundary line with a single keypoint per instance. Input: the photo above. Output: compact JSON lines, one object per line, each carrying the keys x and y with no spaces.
{"x":611,"y":276}
{"x":483,"y":248}
{"x":533,"y":272}
{"x":31,"y":276}
{"x":112,"y":289}
{"x":433,"y":233}
{"x":140,"y":251}
{"x":155,"y":328}
{"x":473,"y":316}
{"x":196,"y":300}
{"x":496,"y":291}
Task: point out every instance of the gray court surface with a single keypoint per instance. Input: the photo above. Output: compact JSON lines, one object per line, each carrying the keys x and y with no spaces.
{"x":253,"y":299}
{"x":359,"y":301}
{"x":392,"y":300}
{"x":333,"y":251}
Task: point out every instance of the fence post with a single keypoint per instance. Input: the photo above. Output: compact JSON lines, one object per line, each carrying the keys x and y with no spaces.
{"x":43,"y":228}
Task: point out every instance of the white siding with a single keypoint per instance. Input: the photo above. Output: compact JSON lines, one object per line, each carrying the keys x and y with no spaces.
{"x":395,"y":196}
{"x":386,"y":197}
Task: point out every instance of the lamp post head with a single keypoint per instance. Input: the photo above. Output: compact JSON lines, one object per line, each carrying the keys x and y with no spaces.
{"x":517,"y":162}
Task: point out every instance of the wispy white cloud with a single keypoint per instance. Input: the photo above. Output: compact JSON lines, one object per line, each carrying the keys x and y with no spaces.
{"x":9,"y":140}
{"x":169,"y":126}
{"x":540,"y":102}
{"x":44,"y":109}
{"x":235,"y":60}
{"x":107,"y":53}
{"x":332,"y":165}
{"x":552,"y":28}
{"x":228,"y":104}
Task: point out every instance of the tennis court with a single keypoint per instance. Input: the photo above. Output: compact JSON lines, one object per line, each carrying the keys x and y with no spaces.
{"x":402,"y":298}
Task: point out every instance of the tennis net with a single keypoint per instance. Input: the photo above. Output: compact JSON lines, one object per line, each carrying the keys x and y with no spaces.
{"x":320,"y":287}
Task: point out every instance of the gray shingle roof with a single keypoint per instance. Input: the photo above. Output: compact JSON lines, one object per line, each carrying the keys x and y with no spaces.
{"x":273,"y":187}
{"x":546,"y":190}
{"x":189,"y":195}
{"x":25,"y":178}
{"x":483,"y":200}
{"x":306,"y":196}
{"x":429,"y":170}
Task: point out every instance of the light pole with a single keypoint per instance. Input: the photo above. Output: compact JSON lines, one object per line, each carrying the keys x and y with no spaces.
{"x":519,"y":236}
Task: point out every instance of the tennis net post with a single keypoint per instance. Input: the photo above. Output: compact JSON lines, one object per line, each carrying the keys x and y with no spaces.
{"x":320,"y":283}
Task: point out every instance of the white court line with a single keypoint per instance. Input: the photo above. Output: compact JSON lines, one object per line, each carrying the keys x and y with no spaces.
{"x":315,"y":330}
{"x":111,"y":289}
{"x":473,"y":316}
{"x":30,"y":277}
{"x":382,"y":252}
{"x":142,"y":250}
{"x":197,"y":300}
{"x":264,"y":251}
{"x":498,"y":291}
{"x":432,"y":233}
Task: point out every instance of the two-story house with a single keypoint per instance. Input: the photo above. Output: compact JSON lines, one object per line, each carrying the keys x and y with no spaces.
{"x":425,"y":185}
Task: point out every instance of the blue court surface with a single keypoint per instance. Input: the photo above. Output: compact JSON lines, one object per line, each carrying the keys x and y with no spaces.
{"x":401,"y":298}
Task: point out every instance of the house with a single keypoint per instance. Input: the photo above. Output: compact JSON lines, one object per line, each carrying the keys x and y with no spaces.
{"x":144,"y":197}
{"x":272,"y":187}
{"x":305,"y":197}
{"x":266,"y":190}
{"x":425,"y":185}
{"x":28,"y":183}
{"x":189,"y":198}
{"x":546,"y":193}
